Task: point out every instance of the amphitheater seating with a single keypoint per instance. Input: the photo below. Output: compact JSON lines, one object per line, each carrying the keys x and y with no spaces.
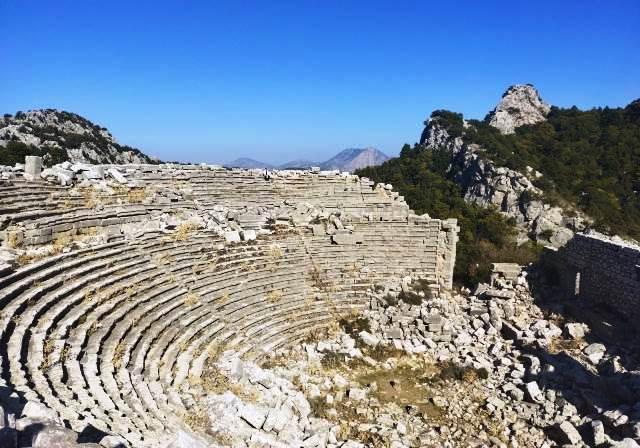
{"x":116,"y":336}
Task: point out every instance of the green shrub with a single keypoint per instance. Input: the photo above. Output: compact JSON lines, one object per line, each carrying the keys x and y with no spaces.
{"x":410,"y":298}
{"x":486,"y":236}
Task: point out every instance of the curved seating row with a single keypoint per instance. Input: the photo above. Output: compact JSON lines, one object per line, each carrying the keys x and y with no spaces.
{"x":118,"y":336}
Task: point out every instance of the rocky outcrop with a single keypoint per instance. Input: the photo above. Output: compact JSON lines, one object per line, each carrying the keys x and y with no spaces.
{"x":511,"y":192}
{"x":63,"y":136}
{"x":520,"y":105}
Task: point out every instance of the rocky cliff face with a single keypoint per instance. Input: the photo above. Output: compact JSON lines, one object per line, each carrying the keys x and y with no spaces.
{"x":511,"y":192}
{"x":520,"y":105}
{"x":62,"y":136}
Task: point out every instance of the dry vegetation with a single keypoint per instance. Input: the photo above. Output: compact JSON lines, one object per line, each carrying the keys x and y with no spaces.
{"x":57,"y":246}
{"x":47,"y":351}
{"x":192,"y":299}
{"x":13,"y":239}
{"x":184,"y":230}
{"x":274,"y":296}
{"x":137,"y":195}
{"x":197,"y":418}
{"x":118,"y":354}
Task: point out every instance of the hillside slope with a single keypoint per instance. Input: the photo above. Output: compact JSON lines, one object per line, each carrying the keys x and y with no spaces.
{"x":573,"y":164}
{"x":59,"y":136}
{"x":556,"y":172}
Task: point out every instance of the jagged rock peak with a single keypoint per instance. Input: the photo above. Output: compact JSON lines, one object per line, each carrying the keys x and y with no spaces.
{"x":520,"y":105}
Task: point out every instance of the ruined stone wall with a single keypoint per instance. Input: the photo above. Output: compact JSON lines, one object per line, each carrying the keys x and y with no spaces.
{"x":600,"y":270}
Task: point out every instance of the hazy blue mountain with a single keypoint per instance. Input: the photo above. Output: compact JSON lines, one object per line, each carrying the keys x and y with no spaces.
{"x":300,"y":163}
{"x":245,"y":162}
{"x":352,"y":159}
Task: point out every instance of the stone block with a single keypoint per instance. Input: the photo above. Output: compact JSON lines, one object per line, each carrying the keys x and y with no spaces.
{"x":32,"y":167}
{"x":254,"y":415}
{"x":232,"y":236}
{"x":570,"y":433}
{"x":369,"y":339}
{"x":248,"y":235}
{"x":54,"y":437}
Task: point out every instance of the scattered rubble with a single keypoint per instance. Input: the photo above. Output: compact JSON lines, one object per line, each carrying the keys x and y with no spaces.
{"x":421,"y":365}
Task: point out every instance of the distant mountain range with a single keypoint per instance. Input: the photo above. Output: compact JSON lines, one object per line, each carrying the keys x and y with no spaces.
{"x":60,"y":136}
{"x":350,"y":159}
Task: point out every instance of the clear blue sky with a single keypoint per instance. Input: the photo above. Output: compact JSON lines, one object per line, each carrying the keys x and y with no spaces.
{"x":278,"y":80}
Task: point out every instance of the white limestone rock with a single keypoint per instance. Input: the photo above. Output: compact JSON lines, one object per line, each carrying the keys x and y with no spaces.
{"x":54,"y":437}
{"x":575,"y":330}
{"x":625,"y":443}
{"x":369,"y":339}
{"x":113,"y":442}
{"x":248,"y":235}
{"x":39,"y":412}
{"x":232,"y":236}
{"x":254,"y":415}
{"x":117,"y":175}
{"x":520,"y":105}
{"x":58,"y":174}
{"x":183,"y":439}
{"x":570,"y":433}
{"x":533,"y":392}
{"x":595,"y":352}
{"x":357,"y":394}
{"x":599,"y":436}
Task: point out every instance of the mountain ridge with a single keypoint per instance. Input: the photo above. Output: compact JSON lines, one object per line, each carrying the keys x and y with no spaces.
{"x":350,"y":159}
{"x":60,"y":136}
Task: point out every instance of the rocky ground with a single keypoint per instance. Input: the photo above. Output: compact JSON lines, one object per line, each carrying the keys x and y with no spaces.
{"x":496,"y":367}
{"x":483,"y":369}
{"x":414,"y":369}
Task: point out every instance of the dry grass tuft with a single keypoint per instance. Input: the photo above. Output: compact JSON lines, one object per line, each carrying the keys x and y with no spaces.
{"x":137,"y":195}
{"x":61,"y":242}
{"x":559,"y":344}
{"x":183,"y":231}
{"x":274,"y":296}
{"x":213,"y":381}
{"x":93,"y":328}
{"x":118,"y":354}
{"x":224,"y":298}
{"x":13,"y":239}
{"x":192,"y":299}
{"x":130,"y":292}
{"x":319,"y":279}
{"x":197,"y":419}
{"x":47,"y":351}
{"x":275,"y":252}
